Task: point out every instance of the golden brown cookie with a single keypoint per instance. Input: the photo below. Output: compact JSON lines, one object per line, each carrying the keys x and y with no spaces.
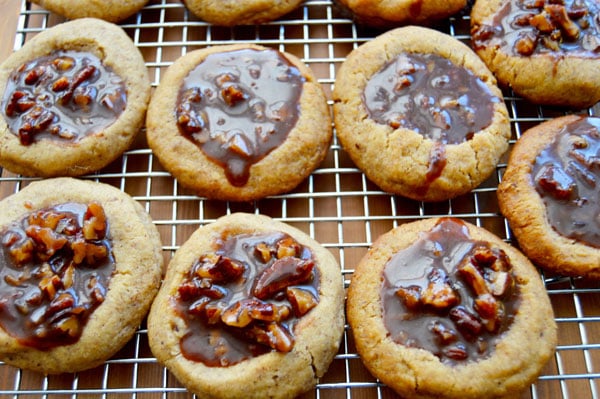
{"x":549,"y":195}
{"x":250,"y":308}
{"x":548,"y":52}
{"x":73,"y":99}
{"x":239,"y":122}
{"x":240,"y":12}
{"x":80,"y":264}
{"x":108,"y":10}
{"x":420,"y":114}
{"x":440,"y":308}
{"x":392,"y":13}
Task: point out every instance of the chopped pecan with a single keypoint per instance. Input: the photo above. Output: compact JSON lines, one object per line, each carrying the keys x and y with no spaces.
{"x":556,"y":182}
{"x":410,"y":296}
{"x":526,"y":43}
{"x":238,"y":315}
{"x":263,"y":252}
{"x":558,"y":14}
{"x":473,"y":277}
{"x":439,"y":294}
{"x":94,"y":224}
{"x":302,"y":301}
{"x":193,"y":289}
{"x":273,"y":335}
{"x":91,"y":253}
{"x":219,"y":269}
{"x":466,"y":322}
{"x":443,"y":334}
{"x":287,"y":247}
{"x":239,"y":144}
{"x":281,"y":274}
{"x":232,"y":95}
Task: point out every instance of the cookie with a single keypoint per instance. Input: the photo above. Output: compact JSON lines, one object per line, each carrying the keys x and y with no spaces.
{"x":250,"y":308}
{"x":73,"y":99}
{"x":79,"y":267}
{"x":108,"y":10}
{"x":549,"y":195}
{"x":420,"y":114}
{"x":240,"y":12}
{"x":239,"y":122}
{"x":440,"y":308}
{"x":547,"y":52}
{"x":387,"y":14}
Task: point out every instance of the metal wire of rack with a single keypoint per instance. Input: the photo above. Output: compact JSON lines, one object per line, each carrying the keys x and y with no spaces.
{"x":336,"y":205}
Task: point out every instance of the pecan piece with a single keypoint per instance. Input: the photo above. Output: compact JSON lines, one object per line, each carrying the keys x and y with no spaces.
{"x":68,"y":326}
{"x":263,"y":252}
{"x":556,"y":182}
{"x":94,"y":224}
{"x":466,"y":322}
{"x":542,"y":22}
{"x":232,"y":95}
{"x":287,"y":247}
{"x":238,"y":314}
{"x":526,"y":43}
{"x":410,"y":296}
{"x":194,"y":289}
{"x":34,"y":75}
{"x":219,"y":269}
{"x":48,"y":240}
{"x":473,"y":277}
{"x":89,"y":252}
{"x":443,"y":334}
{"x":281,"y":274}
{"x":273,"y":335}
{"x":558,"y":14}
{"x":439,"y":294}
{"x":302,"y":300}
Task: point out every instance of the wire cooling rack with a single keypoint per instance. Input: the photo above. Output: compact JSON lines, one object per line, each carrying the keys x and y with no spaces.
{"x":336,"y":205}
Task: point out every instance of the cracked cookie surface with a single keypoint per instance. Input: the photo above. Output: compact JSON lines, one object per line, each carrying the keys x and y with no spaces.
{"x":420,"y":114}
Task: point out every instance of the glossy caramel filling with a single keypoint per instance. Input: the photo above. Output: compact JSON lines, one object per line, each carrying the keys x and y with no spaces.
{"x":238,"y":106}
{"x":527,"y":27}
{"x":449,"y":294}
{"x":245,"y":298}
{"x":567,"y":176}
{"x":64,"y":96}
{"x":55,"y":268}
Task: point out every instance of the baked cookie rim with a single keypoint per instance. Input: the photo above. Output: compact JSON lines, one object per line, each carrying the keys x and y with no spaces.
{"x":351,"y":115}
{"x":455,"y":381}
{"x":134,"y":282}
{"x":115,"y":49}
{"x":517,"y":190}
{"x":164,"y":136}
{"x":331,"y":302}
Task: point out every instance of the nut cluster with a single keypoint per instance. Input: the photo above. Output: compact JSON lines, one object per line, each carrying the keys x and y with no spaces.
{"x":487,"y":274}
{"x":44,"y":92}
{"x":54,"y":281}
{"x":582,"y":163}
{"x":277,"y":294}
{"x":556,"y":23}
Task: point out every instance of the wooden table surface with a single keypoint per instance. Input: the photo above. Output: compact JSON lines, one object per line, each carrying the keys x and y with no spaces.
{"x":9,"y":12}
{"x":337,"y":206}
